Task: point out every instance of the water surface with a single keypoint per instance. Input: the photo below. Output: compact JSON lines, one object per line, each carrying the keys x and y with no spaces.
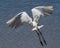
{"x":23,"y":37}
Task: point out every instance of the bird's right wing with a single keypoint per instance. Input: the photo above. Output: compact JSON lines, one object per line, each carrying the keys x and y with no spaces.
{"x":41,"y":11}
{"x":19,"y":19}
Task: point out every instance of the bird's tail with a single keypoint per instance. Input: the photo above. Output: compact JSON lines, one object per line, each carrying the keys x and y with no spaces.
{"x":39,"y":27}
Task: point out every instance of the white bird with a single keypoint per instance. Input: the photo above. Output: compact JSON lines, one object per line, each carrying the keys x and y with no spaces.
{"x":23,"y":17}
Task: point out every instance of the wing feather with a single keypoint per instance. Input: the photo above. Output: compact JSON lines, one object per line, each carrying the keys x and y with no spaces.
{"x":41,"y":11}
{"x":19,"y":20}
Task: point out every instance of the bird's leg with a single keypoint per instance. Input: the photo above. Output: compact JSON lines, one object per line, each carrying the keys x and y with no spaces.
{"x":42,"y":36}
{"x":39,"y":37}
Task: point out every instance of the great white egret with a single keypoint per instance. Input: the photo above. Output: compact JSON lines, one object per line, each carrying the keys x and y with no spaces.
{"x":23,"y":17}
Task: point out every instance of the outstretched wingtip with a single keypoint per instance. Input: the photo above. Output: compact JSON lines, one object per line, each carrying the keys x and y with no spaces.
{"x":47,"y":10}
{"x":49,"y":7}
{"x":11,"y":22}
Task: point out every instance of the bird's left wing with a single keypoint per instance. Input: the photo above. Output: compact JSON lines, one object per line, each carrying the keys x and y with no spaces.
{"x":19,"y":19}
{"x":41,"y":11}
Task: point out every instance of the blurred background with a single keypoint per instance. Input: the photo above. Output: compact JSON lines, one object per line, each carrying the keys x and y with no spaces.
{"x":23,"y":37}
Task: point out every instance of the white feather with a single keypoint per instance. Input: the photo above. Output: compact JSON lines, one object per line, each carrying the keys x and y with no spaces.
{"x":23,"y":17}
{"x":19,"y":19}
{"x":41,"y":11}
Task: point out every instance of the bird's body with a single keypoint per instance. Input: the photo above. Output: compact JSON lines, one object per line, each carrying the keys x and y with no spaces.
{"x":23,"y":17}
{"x":35,"y":24}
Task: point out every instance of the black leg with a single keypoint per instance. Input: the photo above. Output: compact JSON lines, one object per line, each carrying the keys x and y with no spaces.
{"x":42,"y":37}
{"x":39,"y":37}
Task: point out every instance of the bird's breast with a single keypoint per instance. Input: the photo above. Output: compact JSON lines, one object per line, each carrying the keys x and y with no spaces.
{"x":34,"y":24}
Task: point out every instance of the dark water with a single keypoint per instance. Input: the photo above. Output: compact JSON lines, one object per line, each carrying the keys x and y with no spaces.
{"x":23,"y":37}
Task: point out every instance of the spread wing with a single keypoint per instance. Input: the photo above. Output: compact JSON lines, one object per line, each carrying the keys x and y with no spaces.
{"x":19,"y":20}
{"x":41,"y":11}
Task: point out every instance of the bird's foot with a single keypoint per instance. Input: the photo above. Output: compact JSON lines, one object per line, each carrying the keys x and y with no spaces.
{"x":39,"y":27}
